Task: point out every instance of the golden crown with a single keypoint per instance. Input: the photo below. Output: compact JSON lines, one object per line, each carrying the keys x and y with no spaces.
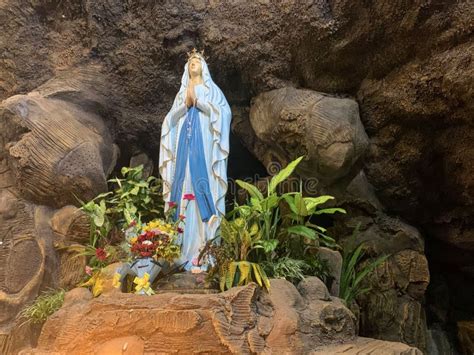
{"x":195,"y":53}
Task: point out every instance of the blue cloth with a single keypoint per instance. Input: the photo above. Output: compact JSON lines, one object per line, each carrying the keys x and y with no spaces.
{"x":190,"y":146}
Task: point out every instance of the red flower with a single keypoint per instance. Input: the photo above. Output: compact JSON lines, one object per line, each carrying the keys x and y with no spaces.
{"x":189,"y":197}
{"x":100,"y":254}
{"x":182,"y":217}
{"x":171,"y":204}
{"x":132,"y":223}
{"x":180,"y":230}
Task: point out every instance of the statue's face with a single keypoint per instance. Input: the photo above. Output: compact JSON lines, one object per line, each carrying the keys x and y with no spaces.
{"x":195,"y":67}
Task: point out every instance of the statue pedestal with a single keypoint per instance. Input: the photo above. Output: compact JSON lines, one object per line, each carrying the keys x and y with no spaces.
{"x":186,"y":282}
{"x":242,"y":320}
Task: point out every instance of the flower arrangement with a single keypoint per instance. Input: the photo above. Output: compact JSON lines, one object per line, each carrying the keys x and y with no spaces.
{"x":150,"y":243}
{"x":157,"y":239}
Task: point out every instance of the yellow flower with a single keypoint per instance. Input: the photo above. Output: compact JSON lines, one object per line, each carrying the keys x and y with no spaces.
{"x":133,"y":240}
{"x":143,"y":284}
{"x":96,"y":282}
{"x":116,"y":281}
{"x":98,"y":287}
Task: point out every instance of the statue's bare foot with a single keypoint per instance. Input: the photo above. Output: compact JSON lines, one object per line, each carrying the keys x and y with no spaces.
{"x":196,"y":270}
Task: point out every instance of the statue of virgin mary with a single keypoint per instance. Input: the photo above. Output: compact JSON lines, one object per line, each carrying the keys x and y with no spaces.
{"x":193,"y":158}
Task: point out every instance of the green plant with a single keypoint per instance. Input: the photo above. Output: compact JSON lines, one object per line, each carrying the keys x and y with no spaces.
{"x":100,"y":222}
{"x":271,"y":233}
{"x":287,"y":268}
{"x":236,"y":273}
{"x":301,"y":209}
{"x":134,"y":199}
{"x":294,"y":270}
{"x":279,"y":231}
{"x":319,"y":268}
{"x":43,"y":306}
{"x":353,"y":271}
{"x":239,"y":239}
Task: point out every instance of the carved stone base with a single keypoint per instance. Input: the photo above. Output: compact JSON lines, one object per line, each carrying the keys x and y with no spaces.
{"x":242,"y":320}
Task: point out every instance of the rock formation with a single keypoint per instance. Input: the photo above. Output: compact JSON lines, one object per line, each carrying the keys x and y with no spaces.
{"x":409,"y":66}
{"x":55,"y":148}
{"x":242,"y":320}
{"x":289,"y":123}
{"x":327,"y":130}
{"x":78,"y":76}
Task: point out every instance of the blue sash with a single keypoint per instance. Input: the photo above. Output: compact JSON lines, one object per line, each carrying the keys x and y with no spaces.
{"x":190,"y":145}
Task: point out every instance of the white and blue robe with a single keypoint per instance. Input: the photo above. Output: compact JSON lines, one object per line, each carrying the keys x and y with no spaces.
{"x":211,"y":122}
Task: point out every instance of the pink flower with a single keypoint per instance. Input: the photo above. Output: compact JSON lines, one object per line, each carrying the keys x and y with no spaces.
{"x":189,"y":197}
{"x":195,"y":262}
{"x":132,"y":223}
{"x":88,"y":270}
{"x":171,"y":204}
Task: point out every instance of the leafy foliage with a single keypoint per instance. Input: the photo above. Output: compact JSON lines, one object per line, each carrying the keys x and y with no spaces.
{"x":44,"y":305}
{"x":237,"y":273}
{"x":134,"y":199}
{"x":354,"y":272}
{"x":287,"y":268}
{"x":278,"y":231}
{"x":273,"y":232}
{"x":123,"y":222}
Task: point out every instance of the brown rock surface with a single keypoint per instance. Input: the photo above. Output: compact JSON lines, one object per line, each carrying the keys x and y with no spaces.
{"x":363,"y":346}
{"x":71,"y":225}
{"x":27,"y":265}
{"x":466,"y":336}
{"x":242,"y":320}
{"x":56,"y":144}
{"x":53,"y":145}
{"x":333,"y":260}
{"x":393,"y":309}
{"x":289,"y":123}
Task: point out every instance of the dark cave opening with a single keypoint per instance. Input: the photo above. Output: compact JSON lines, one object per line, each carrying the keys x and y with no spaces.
{"x":450,"y":294}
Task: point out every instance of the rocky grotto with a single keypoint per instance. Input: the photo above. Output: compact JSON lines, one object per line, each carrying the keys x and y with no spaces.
{"x":377,"y":95}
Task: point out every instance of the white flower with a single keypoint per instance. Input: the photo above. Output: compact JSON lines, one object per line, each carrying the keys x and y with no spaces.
{"x":147,"y":242}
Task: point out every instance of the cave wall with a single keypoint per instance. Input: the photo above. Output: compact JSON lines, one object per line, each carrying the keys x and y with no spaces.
{"x":408,"y":64}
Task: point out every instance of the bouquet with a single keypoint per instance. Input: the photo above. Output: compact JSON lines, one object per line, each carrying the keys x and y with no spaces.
{"x":156,"y":239}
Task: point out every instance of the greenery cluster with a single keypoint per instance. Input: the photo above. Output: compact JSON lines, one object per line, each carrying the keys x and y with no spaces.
{"x":133,"y":199}
{"x":271,"y":235}
{"x":44,"y":305}
{"x":354,"y":272}
{"x":115,"y":218}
